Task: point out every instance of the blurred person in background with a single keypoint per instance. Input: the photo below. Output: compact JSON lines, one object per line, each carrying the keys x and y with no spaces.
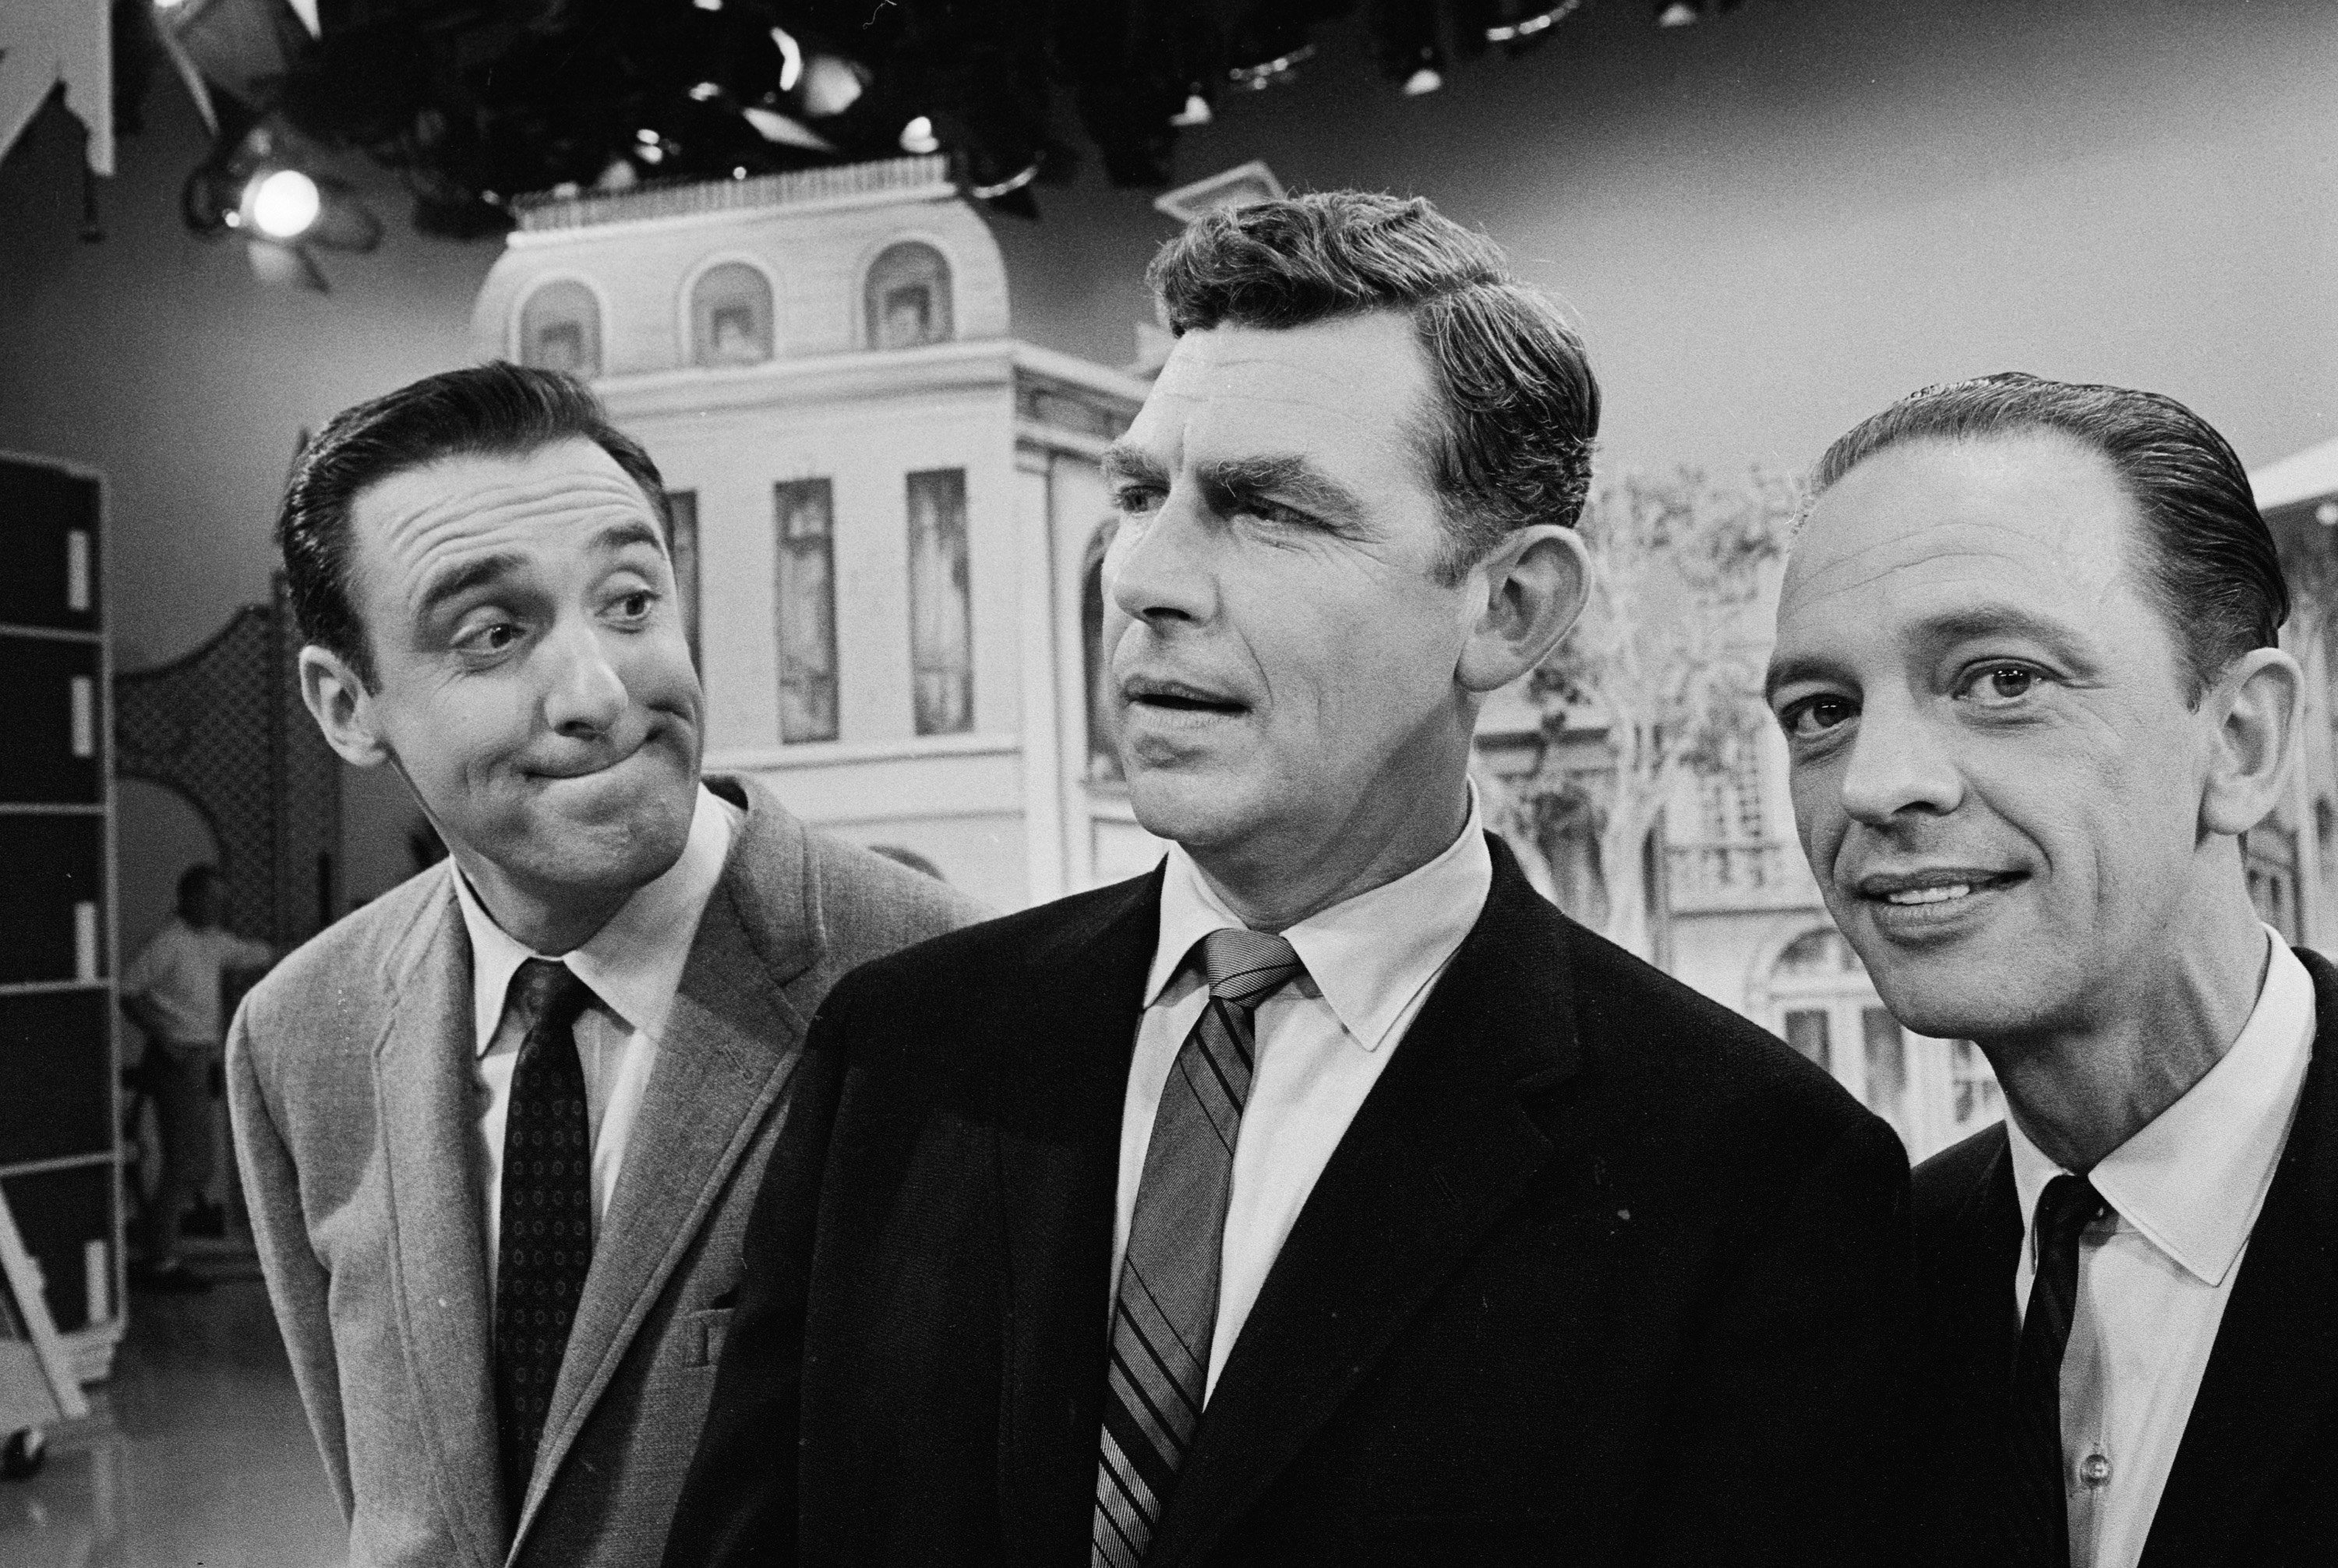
{"x":173,"y":992}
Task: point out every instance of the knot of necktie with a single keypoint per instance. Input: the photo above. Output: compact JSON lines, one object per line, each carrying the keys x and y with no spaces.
{"x":549,"y":995}
{"x":2067,"y":1206}
{"x":1245,"y":967}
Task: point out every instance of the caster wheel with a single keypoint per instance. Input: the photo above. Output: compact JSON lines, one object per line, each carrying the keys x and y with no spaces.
{"x":23,"y":1454}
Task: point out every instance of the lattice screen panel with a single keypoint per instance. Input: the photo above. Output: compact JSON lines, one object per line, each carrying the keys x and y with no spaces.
{"x":225,"y":728}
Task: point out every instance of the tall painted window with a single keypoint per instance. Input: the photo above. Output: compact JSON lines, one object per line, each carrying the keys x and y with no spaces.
{"x":909,"y":297}
{"x":1095,"y":662}
{"x":941,"y":630}
{"x":560,"y":330}
{"x":731,"y":315}
{"x":681,"y":506}
{"x":806,"y":512}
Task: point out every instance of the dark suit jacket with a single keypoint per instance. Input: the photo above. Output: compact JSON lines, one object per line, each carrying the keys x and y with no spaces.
{"x":1600,"y":1273}
{"x":2256,"y":1480}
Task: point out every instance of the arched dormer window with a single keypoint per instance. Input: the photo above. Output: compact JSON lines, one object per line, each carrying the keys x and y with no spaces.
{"x":560,"y":330}
{"x":908,"y":300}
{"x":731,"y":315}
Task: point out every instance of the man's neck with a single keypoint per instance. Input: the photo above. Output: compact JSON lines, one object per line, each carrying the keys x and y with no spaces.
{"x":546,"y":921}
{"x":2081,"y":1092}
{"x":1274,"y":887}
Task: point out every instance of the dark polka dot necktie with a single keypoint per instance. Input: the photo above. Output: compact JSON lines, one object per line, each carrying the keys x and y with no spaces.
{"x":546,"y":1244}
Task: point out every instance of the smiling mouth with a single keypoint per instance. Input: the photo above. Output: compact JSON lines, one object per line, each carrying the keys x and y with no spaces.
{"x":1903,"y":895}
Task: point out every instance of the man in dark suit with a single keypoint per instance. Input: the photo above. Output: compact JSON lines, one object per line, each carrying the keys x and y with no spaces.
{"x":502,"y":1129}
{"x":1323,"y":1196}
{"x":2027,"y":662}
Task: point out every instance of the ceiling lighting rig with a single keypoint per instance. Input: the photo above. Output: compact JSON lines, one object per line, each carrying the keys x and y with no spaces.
{"x":475,"y":102}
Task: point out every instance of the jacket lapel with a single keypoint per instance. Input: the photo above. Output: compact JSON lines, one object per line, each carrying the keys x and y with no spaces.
{"x":422,"y":1092}
{"x":1063,"y":1076}
{"x":2273,"y":1373}
{"x":1440,"y":1148}
{"x":1969,"y":1289}
{"x":731,"y":1043}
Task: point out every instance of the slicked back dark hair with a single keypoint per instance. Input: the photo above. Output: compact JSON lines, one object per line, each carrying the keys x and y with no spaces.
{"x":2208,"y":560}
{"x":492,"y":410}
{"x":1510,"y":442}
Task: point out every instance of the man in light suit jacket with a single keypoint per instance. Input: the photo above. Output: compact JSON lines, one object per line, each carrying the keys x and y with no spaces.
{"x":1324,"y":1196}
{"x":501,"y":1128}
{"x":2028,"y":666}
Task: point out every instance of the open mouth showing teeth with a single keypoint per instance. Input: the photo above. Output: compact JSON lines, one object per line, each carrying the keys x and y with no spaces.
{"x":1943,"y":893}
{"x":1930,"y":894}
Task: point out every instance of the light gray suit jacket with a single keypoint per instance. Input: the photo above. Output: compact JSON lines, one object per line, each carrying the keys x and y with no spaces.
{"x":349,"y":1076}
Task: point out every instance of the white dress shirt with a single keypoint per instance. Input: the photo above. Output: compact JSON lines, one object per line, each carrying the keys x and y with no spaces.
{"x":1322,"y":1043}
{"x":634,"y":964}
{"x":2154,"y":1277}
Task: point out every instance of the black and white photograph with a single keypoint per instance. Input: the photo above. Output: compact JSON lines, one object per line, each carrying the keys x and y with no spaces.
{"x":1168,"y":783}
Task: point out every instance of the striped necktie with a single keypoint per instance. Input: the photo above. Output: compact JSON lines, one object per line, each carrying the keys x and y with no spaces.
{"x":544,"y":1244}
{"x":1167,"y":1304}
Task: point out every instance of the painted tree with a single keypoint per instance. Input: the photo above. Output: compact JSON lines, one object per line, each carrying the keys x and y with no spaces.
{"x":1666,"y":658}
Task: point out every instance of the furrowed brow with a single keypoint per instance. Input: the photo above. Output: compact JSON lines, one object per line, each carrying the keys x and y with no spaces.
{"x":1294,"y":479}
{"x":1126,"y":461}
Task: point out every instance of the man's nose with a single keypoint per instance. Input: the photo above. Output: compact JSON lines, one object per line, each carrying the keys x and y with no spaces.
{"x":585,"y":696}
{"x":1899,"y":761}
{"x":1164,"y":567}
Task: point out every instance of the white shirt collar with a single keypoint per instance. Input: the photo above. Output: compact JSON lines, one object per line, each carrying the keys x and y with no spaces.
{"x":2193,"y":1179}
{"x":1368,"y":956}
{"x":634,"y":963}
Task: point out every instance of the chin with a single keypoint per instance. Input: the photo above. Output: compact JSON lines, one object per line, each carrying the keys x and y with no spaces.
{"x":1953,"y":1002}
{"x":632,"y":857}
{"x":1195,"y":812}
{"x":620,"y":849}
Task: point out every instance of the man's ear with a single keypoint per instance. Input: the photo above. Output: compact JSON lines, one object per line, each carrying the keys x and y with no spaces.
{"x":1525,"y":595}
{"x":343,"y":708}
{"x":2258,"y":705}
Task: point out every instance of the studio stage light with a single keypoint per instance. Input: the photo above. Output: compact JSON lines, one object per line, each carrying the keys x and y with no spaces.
{"x":281,"y":203}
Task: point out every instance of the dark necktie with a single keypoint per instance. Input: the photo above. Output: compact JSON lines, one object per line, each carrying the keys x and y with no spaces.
{"x":2041,"y":1516}
{"x":546,"y":1243}
{"x":1167,"y":1307}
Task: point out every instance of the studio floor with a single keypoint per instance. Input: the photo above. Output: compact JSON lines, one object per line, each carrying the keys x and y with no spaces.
{"x":195,"y":1455}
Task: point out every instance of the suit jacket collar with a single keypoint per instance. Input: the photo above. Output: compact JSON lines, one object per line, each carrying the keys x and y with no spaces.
{"x":432,"y":1194}
{"x":1059,"y":1088}
{"x":1440,"y":1149}
{"x":732,"y":1041}
{"x":2272,"y":1379}
{"x":1976,"y":1269}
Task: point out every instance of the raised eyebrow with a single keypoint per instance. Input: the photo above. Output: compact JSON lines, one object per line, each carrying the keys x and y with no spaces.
{"x":470,"y":576}
{"x":624,"y":535}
